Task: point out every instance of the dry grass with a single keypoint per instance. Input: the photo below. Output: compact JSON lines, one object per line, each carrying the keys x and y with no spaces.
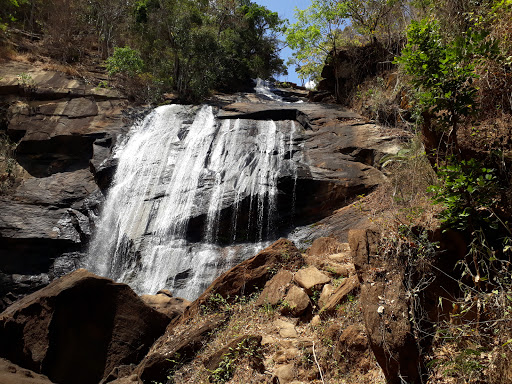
{"x":247,"y":319}
{"x":68,"y":69}
{"x":404,"y":199}
{"x":383,"y":99}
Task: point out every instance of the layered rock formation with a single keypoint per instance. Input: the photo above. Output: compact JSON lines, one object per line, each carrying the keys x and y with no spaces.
{"x":64,"y":129}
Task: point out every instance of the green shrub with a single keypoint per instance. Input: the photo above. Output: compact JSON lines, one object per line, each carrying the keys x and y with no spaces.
{"x":126,"y":61}
{"x":468,"y":193}
{"x":443,"y":70}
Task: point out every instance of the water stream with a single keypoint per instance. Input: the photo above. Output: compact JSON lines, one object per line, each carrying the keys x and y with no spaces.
{"x":192,"y":196}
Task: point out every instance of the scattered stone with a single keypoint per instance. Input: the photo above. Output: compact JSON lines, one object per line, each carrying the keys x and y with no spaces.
{"x":285,"y":355}
{"x":285,"y":373}
{"x":315,"y":321}
{"x":79,"y":328}
{"x":311,"y":279}
{"x":285,"y":344}
{"x":267,"y":340}
{"x":295,"y":302}
{"x":276,"y":288}
{"x":348,"y":286}
{"x":342,"y":270}
{"x":327,"y":292}
{"x":343,"y":257}
{"x":285,"y":328}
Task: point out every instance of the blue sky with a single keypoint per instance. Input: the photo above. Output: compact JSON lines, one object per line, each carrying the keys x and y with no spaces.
{"x":285,"y":9}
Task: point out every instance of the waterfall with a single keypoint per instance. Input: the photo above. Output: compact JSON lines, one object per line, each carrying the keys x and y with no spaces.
{"x":264,"y":88}
{"x":192,"y":195}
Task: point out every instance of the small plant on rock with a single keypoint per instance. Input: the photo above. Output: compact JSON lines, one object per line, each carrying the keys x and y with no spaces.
{"x":248,"y":347}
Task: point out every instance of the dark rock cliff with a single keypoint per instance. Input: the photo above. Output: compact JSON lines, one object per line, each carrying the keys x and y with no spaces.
{"x":63,"y":128}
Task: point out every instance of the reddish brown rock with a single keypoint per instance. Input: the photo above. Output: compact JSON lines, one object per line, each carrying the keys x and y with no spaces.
{"x":163,"y":302}
{"x":353,"y":340}
{"x":325,"y":246}
{"x":347,"y":287}
{"x":331,"y":256}
{"x":311,"y":279}
{"x":78,"y":328}
{"x":286,"y":329}
{"x":351,"y":348}
{"x":296,"y":302}
{"x":385,"y":309}
{"x":252,"y":274}
{"x":327,"y":292}
{"x":275,"y":289}
{"x":342,"y":270}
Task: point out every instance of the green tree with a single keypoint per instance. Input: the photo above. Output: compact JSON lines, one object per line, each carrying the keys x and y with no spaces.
{"x":7,"y":9}
{"x":125,"y":60}
{"x":195,"y":46}
{"x":443,"y":70}
{"x":378,"y":19}
{"x":315,"y":35}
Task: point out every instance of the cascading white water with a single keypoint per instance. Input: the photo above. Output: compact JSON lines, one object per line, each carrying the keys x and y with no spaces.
{"x":180,"y":164}
{"x":264,"y":88}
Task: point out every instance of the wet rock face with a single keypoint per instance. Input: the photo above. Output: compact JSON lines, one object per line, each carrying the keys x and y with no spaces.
{"x":77,"y":329}
{"x":249,"y":179}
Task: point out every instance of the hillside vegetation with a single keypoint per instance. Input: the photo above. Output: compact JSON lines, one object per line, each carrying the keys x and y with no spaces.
{"x":153,"y":46}
{"x":441,"y":69}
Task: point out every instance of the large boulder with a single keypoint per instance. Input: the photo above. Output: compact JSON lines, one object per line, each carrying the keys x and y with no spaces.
{"x":78,"y":328}
{"x":275,"y":289}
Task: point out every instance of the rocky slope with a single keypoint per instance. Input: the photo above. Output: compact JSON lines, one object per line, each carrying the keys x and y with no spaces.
{"x":280,"y":315}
